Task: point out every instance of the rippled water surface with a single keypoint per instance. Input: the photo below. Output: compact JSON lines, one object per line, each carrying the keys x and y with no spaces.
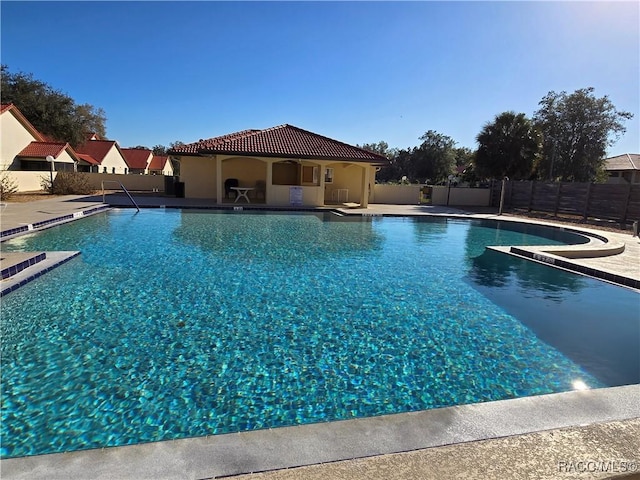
{"x":175,"y":324}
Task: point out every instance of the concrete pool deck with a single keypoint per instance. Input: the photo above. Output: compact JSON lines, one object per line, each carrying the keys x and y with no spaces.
{"x":533,"y":437}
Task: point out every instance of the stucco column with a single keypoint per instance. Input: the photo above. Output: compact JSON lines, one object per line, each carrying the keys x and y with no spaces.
{"x":269,"y":181}
{"x":323,"y":169}
{"x":219,"y":187}
{"x":364,"y":195}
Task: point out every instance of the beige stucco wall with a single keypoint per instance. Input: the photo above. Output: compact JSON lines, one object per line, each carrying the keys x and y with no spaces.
{"x":199,"y":176}
{"x":347,"y":176}
{"x":112,"y":159}
{"x":460,"y":196}
{"x":279,"y":195}
{"x":143,"y":183}
{"x":13,"y":139}
{"x":247,"y":170}
{"x":29,"y":181}
{"x":397,"y":194}
{"x":64,"y":157}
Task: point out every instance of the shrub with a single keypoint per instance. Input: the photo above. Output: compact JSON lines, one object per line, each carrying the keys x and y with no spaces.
{"x":68,"y":183}
{"x":8,"y":186}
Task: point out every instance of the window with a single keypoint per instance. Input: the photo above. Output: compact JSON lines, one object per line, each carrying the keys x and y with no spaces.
{"x":104,"y":169}
{"x":113,"y":169}
{"x":328,"y":175}
{"x":285,"y":173}
{"x":309,"y":174}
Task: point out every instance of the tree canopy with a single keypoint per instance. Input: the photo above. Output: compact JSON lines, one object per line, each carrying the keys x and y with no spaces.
{"x":52,"y":112}
{"x":433,"y":160}
{"x":577,"y":128}
{"x":508,"y":147}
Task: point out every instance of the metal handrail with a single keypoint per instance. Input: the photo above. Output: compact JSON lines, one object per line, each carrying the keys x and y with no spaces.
{"x":123,"y":189}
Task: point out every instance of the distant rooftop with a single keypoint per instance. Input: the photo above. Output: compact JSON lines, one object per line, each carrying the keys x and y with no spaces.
{"x":627,"y":161}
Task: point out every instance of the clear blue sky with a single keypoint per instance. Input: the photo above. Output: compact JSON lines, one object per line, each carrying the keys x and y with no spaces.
{"x":359,"y":72}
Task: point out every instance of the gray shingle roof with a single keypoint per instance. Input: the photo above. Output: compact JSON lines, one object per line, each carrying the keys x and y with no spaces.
{"x":627,"y":161}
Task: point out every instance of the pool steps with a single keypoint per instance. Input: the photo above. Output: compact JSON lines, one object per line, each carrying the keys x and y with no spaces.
{"x":559,"y":256}
{"x":17,"y":270}
{"x":12,"y":263}
{"x":50,"y":261}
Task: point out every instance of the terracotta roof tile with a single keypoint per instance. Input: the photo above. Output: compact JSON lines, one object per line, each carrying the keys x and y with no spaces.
{"x":5,"y":106}
{"x":98,"y":149}
{"x":284,"y":141}
{"x":88,"y":158}
{"x":136,"y":157}
{"x":158,"y":162}
{"x":42,"y":149}
{"x":627,"y":161}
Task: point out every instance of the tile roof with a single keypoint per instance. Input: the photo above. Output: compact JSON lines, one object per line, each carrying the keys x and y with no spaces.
{"x":158,"y":162}
{"x":136,"y":157}
{"x":88,"y":158}
{"x":284,"y":141}
{"x":5,"y":106}
{"x":627,"y":161}
{"x":98,"y":149}
{"x":42,"y":149}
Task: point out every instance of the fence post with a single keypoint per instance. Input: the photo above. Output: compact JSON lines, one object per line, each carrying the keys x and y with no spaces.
{"x":502,"y":191}
{"x":511,"y":193}
{"x":626,"y":205}
{"x":533,"y":183}
{"x":586,"y":201}
{"x":555,"y":208}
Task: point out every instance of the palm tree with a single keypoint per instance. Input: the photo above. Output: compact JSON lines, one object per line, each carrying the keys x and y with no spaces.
{"x":508,"y":147}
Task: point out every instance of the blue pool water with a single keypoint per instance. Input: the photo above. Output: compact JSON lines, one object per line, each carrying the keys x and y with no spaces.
{"x":176,"y":324}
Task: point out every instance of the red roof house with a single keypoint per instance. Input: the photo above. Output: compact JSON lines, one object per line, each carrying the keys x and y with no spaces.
{"x":107,"y":154}
{"x":23,"y":147}
{"x":137,"y":159}
{"x":160,"y":165}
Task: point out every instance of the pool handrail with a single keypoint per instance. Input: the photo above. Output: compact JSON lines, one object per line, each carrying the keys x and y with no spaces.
{"x":123,"y":189}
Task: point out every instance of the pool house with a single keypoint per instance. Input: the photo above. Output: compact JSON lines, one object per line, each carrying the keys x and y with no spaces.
{"x":278,"y":166}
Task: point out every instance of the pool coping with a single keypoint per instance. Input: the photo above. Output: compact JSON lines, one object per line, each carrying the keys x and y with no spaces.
{"x":50,"y":222}
{"x":318,"y":443}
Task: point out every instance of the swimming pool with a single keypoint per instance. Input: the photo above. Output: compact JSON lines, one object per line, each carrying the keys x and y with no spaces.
{"x":174,"y":324}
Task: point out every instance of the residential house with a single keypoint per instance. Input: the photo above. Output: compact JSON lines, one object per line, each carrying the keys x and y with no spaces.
{"x":283,"y":165}
{"x":106,"y":153}
{"x":22,"y":147}
{"x":160,"y":165}
{"x":138,"y":160}
{"x":624,"y":168}
{"x":34,"y":157}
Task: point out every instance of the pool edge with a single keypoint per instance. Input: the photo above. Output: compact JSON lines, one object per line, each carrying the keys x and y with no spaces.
{"x":319,"y":443}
